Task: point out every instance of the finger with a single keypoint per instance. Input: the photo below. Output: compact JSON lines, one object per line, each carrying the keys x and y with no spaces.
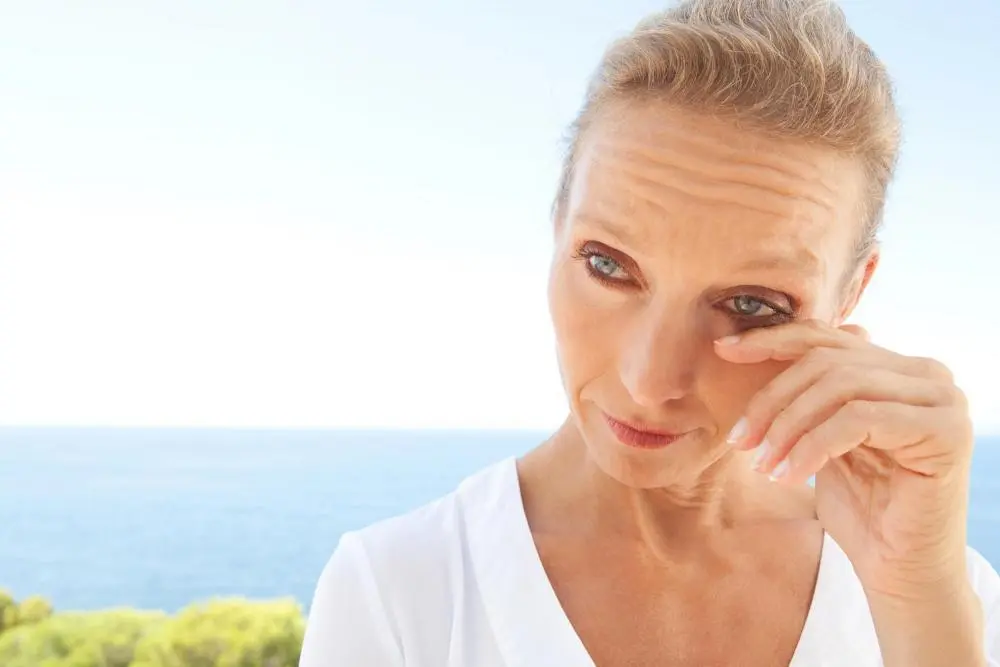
{"x":783,"y":343}
{"x":849,"y":366}
{"x":879,"y":425}
{"x":825,"y":397}
{"x":792,"y":344}
{"x":856,"y":330}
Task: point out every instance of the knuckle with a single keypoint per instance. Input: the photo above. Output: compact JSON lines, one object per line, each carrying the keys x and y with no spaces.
{"x":932,"y":368}
{"x":821,"y":358}
{"x":957,"y":397}
{"x":860,"y":410}
{"x":950,"y":395}
{"x":845,"y":378}
{"x":758,"y":410}
{"x":780,"y":431}
{"x":809,"y":454}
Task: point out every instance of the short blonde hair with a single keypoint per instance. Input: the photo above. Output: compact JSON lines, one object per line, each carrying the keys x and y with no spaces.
{"x":786,"y":68}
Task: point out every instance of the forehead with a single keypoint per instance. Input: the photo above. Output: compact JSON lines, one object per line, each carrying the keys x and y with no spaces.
{"x":666,"y":176}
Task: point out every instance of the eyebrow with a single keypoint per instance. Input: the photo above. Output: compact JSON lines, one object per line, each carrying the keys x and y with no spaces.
{"x":620,"y":232}
{"x":795,"y":259}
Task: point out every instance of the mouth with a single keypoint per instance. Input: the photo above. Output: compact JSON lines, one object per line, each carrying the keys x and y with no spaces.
{"x":639,"y":435}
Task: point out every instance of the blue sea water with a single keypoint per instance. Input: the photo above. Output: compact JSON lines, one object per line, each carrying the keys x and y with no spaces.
{"x":159,"y":518}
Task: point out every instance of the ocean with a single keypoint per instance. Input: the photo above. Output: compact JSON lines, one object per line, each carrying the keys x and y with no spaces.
{"x":159,"y":518}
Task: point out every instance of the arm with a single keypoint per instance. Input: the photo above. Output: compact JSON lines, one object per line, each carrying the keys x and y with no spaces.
{"x":950,"y":625}
{"x":348,"y":624}
{"x":937,"y":629}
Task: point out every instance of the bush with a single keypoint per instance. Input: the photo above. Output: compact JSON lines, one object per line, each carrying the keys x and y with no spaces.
{"x":226,"y":633}
{"x":82,"y":639}
{"x":221,"y":633}
{"x":32,"y":610}
{"x":8,"y":611}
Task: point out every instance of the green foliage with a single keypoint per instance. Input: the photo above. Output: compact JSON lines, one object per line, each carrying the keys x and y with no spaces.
{"x":34,"y":609}
{"x":221,"y":633}
{"x":31,"y":610}
{"x":81,"y":639}
{"x":226,"y":633}
{"x":8,"y":611}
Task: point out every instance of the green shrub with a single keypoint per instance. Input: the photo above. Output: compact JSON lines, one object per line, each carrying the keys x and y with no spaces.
{"x":226,"y":633}
{"x":78,"y":639}
{"x":221,"y":633}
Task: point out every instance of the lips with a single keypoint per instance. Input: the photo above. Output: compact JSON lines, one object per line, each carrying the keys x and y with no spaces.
{"x":640,"y":435}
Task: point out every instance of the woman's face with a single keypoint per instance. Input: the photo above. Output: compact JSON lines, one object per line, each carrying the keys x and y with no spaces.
{"x":679,"y":230}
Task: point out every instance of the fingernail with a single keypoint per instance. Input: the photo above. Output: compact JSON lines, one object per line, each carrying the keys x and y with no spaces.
{"x":763,"y":451}
{"x":728,"y":340}
{"x":738,"y":433}
{"x":779,"y":471}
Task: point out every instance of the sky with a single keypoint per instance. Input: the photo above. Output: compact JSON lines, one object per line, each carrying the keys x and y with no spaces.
{"x":329,"y":214}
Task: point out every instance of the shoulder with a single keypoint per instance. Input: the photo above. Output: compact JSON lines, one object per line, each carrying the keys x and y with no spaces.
{"x":348,"y":596}
{"x":418,"y":552}
{"x":396,"y":581}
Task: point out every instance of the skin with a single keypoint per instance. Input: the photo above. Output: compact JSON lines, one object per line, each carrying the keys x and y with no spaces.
{"x":699,"y":285}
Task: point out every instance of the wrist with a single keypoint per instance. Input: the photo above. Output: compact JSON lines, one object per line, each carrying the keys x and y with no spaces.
{"x":937,"y":626}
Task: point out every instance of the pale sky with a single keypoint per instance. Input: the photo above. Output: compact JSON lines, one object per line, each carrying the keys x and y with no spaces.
{"x":248,"y":213}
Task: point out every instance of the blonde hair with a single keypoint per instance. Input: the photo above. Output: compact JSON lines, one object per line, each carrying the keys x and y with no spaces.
{"x":786,"y":68}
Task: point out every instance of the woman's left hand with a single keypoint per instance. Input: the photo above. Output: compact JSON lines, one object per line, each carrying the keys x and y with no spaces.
{"x":888,"y":438}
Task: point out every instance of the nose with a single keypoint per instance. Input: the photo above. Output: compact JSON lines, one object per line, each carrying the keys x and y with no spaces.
{"x":659,"y":360}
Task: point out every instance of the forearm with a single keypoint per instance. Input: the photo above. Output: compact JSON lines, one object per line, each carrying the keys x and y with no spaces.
{"x":930,"y":628}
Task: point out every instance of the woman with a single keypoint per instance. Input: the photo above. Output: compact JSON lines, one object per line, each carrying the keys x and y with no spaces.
{"x":714,"y":228}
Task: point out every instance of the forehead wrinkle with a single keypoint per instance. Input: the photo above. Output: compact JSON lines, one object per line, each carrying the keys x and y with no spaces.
{"x":635,"y":188}
{"x":711,"y":147}
{"x":734,"y":166}
{"x":789,"y":253}
{"x":640,"y":170}
{"x":786,"y":255}
{"x":646,"y":123}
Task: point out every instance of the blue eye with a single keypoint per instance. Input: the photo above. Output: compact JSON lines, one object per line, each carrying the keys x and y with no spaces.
{"x":748,"y":306}
{"x":605,"y":266}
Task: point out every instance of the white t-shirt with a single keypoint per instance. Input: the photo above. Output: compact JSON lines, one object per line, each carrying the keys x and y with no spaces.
{"x":458,"y":583}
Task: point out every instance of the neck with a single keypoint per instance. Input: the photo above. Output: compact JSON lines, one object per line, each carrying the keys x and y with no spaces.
{"x":569,"y":493}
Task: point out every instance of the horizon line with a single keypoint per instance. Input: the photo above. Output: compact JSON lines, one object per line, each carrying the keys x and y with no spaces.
{"x":989,"y":433}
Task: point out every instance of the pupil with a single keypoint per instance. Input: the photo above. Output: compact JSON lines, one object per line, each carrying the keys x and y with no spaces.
{"x":747,"y":305}
{"x":603,"y":264}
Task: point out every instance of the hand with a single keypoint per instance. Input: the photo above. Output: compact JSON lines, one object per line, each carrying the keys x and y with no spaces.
{"x":888,"y":438}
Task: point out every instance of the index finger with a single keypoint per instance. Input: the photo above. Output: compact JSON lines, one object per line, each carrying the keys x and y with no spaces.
{"x":856,"y":330}
{"x":787,"y":342}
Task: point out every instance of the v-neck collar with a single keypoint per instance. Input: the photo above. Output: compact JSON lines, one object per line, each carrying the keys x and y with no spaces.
{"x":811,"y":629}
{"x":529,"y":623}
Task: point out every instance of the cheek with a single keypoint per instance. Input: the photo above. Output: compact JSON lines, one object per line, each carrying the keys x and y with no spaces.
{"x":591,"y":326}
{"x":584,"y":325}
{"x":726,"y":388}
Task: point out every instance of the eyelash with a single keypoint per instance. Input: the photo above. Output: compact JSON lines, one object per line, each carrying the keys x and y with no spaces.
{"x":585,"y":255}
{"x":781,"y":314}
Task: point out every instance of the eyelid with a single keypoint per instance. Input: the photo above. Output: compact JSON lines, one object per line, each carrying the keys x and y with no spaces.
{"x":780,"y":314}
{"x":776,"y":299}
{"x":766,"y":302}
{"x":772,"y":298}
{"x":626,"y":263}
